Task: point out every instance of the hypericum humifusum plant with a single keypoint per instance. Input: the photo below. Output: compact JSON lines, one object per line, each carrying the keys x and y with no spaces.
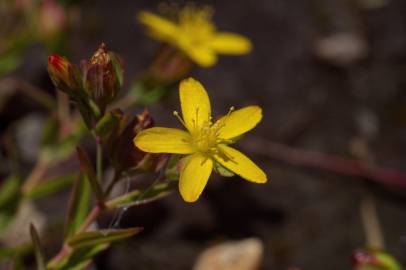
{"x":204,"y":142}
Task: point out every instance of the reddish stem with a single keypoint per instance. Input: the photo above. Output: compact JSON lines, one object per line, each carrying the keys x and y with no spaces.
{"x":66,"y":249}
{"x":327,"y":162}
{"x":36,"y":175}
{"x":93,"y":215}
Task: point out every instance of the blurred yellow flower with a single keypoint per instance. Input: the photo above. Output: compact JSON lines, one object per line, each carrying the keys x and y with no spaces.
{"x":195,"y":34}
{"x":204,"y":143}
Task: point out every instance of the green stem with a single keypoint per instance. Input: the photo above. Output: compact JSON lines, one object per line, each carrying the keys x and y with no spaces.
{"x":99,"y":160}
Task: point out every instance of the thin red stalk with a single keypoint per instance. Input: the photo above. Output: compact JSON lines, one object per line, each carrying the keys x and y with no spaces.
{"x":93,"y":215}
{"x":317,"y":160}
{"x":39,"y":171}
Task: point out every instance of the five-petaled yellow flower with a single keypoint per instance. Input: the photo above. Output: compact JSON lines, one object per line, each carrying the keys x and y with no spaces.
{"x":195,"y":34}
{"x":204,"y":143}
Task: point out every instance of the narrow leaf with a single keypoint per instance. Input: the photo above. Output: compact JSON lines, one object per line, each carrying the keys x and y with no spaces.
{"x":50,"y":186}
{"x":39,"y":253}
{"x":79,"y":258}
{"x":87,"y":168}
{"x":79,"y":205}
{"x":10,"y":198}
{"x":14,"y":251}
{"x":137,"y":197}
{"x":88,"y":239}
{"x":9,"y":189}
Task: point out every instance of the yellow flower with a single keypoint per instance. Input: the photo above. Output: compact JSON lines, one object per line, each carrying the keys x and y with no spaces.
{"x":204,"y":143}
{"x":195,"y":34}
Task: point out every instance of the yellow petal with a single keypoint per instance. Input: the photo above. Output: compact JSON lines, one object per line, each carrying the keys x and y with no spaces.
{"x":203,"y":56}
{"x":238,"y":163}
{"x":164,"y":140}
{"x":194,"y":176}
{"x":238,"y":122}
{"x":159,"y":27}
{"x":195,"y":104}
{"x":230,"y":43}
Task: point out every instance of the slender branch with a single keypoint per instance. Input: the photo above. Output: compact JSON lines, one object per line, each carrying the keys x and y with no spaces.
{"x":326,"y":162}
{"x":39,"y":171}
{"x":93,"y":215}
{"x":66,"y":249}
{"x":370,"y":221}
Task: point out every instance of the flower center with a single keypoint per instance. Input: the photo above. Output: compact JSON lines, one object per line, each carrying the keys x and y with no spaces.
{"x":205,"y":138}
{"x":196,"y":24}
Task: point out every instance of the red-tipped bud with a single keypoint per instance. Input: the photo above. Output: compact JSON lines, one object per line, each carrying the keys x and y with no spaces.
{"x":62,"y":73}
{"x":103,"y":77}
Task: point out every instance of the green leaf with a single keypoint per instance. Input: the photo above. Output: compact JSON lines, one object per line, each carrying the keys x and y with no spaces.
{"x":39,"y":253}
{"x":14,"y":251}
{"x":88,"y":239}
{"x":50,"y":186}
{"x":79,"y":205}
{"x":377,"y":260}
{"x":79,"y":258}
{"x":86,"y":167}
{"x":388,"y":261}
{"x":9,"y":189}
{"x":10,"y":198}
{"x":138,"y":197}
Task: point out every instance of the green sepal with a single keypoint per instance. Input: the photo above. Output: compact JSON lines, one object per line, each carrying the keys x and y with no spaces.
{"x":221,"y":170}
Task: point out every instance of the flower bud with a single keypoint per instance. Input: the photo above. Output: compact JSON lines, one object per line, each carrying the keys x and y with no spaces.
{"x":103,"y":77}
{"x":63,"y":74}
{"x":127,"y":156}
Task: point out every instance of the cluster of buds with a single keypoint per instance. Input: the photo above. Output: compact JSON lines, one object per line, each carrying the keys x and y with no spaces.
{"x":369,"y":259}
{"x":93,"y":86}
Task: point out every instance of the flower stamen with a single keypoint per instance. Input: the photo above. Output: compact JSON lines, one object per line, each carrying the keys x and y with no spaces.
{"x":176,"y":114}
